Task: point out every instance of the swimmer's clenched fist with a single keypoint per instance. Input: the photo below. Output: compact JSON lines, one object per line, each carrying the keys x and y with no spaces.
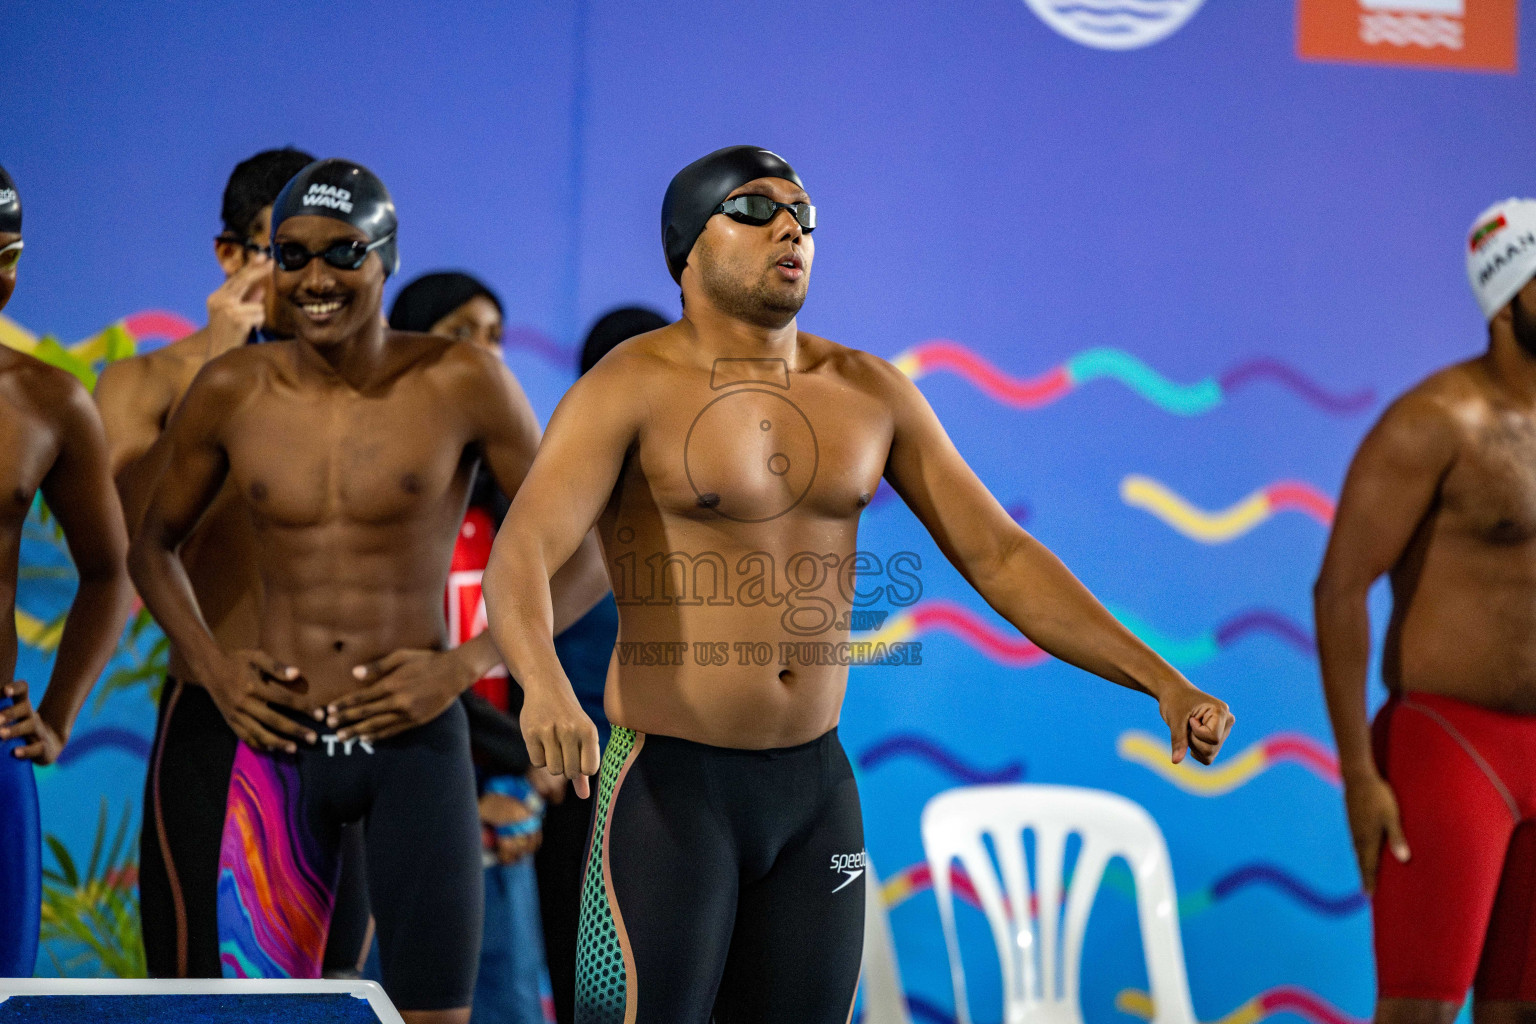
{"x":560,"y":736}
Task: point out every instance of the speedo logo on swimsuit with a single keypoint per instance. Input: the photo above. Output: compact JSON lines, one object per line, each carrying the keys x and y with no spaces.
{"x":7,"y":196}
{"x":331,"y":741}
{"x":1505,"y":256}
{"x":850,"y":865}
{"x":1483,"y":231}
{"x":329,"y":196}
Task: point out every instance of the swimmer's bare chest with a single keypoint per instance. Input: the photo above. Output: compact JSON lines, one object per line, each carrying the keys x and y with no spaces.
{"x":29,"y":444}
{"x":731,"y":534}
{"x":219,"y":554}
{"x":1465,"y":620}
{"x":355,"y":501}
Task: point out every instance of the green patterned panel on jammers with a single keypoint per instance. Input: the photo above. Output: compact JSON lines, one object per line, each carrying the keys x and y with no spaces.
{"x":600,"y":981}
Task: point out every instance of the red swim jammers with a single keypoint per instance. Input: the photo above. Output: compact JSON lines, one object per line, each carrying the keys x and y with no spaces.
{"x":1462,"y":912}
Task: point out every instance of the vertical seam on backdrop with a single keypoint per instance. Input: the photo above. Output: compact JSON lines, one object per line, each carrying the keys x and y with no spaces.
{"x":575,"y":171}
{"x":1477,"y":758}
{"x":177,"y":903}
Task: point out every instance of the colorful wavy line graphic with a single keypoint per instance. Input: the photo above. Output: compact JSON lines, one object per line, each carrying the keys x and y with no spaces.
{"x":1274,"y":877}
{"x":1283,"y":999}
{"x":531,"y":339}
{"x":105,"y":738}
{"x":1232,"y":522}
{"x":916,"y":878}
{"x":159,"y":325}
{"x":34,"y":632}
{"x":1152,"y":752}
{"x":935,"y":754}
{"x":1003,"y":645}
{"x":1005,"y":648}
{"x":117,"y":341}
{"x":1093,"y":364}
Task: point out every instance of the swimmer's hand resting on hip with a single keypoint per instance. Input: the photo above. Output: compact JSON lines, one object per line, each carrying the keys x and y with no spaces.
{"x":560,"y":736}
{"x":404,"y":689}
{"x":21,"y":721}
{"x":244,"y":685}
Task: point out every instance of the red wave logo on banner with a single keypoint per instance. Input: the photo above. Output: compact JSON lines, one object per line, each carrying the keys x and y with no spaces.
{"x":1467,"y":35}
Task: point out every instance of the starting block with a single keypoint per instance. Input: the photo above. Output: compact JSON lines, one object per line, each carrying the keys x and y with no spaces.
{"x":94,"y":1001}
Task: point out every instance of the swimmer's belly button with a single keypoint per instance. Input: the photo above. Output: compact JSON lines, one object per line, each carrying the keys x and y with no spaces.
{"x":329,"y":633}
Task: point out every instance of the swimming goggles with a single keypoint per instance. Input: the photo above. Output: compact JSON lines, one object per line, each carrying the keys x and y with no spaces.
{"x":759,"y":210}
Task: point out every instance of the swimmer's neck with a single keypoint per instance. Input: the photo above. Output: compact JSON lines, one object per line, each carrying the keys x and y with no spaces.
{"x":719,"y":335}
{"x":356,"y":361}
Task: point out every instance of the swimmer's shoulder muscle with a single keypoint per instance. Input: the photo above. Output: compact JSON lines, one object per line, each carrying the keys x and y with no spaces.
{"x":136,"y":397}
{"x":1394,"y":476}
{"x":49,"y":397}
{"x":223,"y":385}
{"x":618,"y":393}
{"x":872,"y":375}
{"x":1421,"y":430}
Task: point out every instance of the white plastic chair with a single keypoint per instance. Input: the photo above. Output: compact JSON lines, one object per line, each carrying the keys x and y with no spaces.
{"x":1040,"y":953}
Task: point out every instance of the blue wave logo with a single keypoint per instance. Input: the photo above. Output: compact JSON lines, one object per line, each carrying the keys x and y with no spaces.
{"x":1115,"y":24}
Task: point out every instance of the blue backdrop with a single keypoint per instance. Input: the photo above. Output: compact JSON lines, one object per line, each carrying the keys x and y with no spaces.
{"x":1156,"y":295}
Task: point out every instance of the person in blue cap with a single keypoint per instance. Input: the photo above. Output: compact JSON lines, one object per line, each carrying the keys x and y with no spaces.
{"x":51,"y":443}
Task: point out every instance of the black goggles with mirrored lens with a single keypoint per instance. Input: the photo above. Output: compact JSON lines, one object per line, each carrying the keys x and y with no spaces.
{"x":10,"y":256}
{"x":760,"y":210}
{"x":291,"y":256}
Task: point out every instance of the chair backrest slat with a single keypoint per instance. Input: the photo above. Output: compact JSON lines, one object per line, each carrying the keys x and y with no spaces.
{"x":1039,"y":928}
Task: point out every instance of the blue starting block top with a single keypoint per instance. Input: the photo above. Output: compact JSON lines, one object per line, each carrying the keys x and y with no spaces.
{"x":79,"y":1001}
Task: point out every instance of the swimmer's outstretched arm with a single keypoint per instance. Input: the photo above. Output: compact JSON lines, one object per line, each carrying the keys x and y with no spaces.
{"x":1389,"y":489}
{"x":239,"y":683}
{"x":566,"y":489}
{"x":1024,"y":582}
{"x":406,"y":688}
{"x":79,"y":492}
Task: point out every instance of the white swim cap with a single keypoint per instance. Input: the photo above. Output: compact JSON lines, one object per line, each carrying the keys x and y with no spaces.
{"x":1501,"y":253}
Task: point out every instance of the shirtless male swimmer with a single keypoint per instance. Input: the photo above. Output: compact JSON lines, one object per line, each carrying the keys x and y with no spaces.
{"x":352,"y":447}
{"x":187,"y":785}
{"x":50,"y":442}
{"x":733,"y":446}
{"x":1441,"y":798}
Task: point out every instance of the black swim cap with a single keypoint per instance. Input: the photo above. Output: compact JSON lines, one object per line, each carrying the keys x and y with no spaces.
{"x":615,"y":327}
{"x":10,"y":205}
{"x":345,"y":191}
{"x":703,"y":185}
{"x":431,"y":297}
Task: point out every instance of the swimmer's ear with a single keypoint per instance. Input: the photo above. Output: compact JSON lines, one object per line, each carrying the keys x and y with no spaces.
{"x":230,"y":254}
